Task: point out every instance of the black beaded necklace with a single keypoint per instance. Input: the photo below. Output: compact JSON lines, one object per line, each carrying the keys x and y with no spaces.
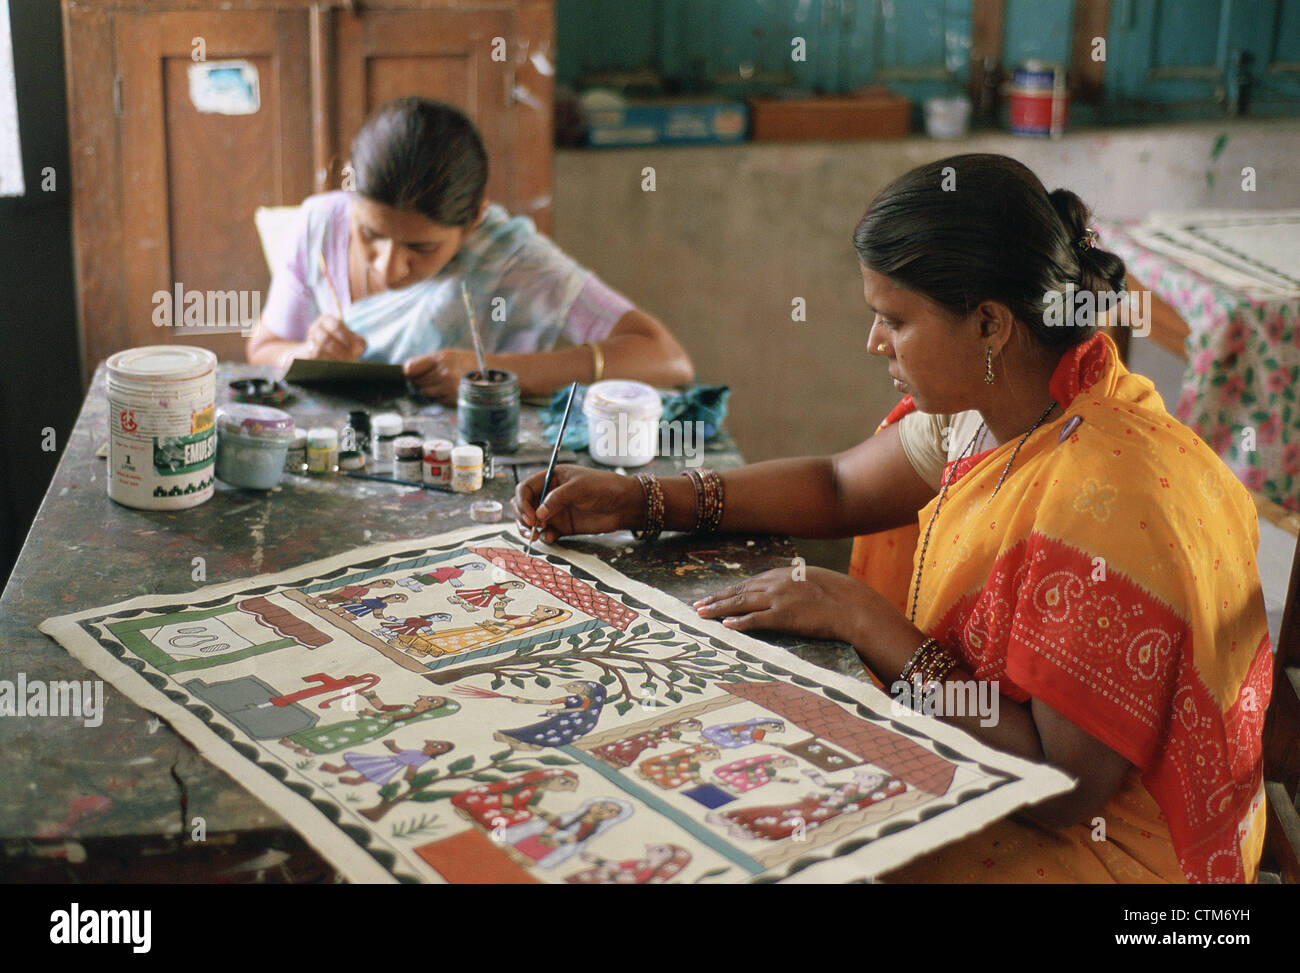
{"x":943,"y":490}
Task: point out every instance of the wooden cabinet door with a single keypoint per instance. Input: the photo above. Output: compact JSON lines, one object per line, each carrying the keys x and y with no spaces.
{"x":448,"y":54}
{"x":191,"y":180}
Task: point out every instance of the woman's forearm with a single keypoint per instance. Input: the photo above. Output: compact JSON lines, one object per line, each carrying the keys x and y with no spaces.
{"x":652,"y":360}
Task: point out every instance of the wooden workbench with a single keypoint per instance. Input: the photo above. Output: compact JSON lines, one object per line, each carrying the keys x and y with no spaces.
{"x":117,"y":802}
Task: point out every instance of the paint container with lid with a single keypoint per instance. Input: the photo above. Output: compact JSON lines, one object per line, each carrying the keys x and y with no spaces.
{"x":322,"y":449}
{"x":487,"y":409}
{"x":384,"y":428}
{"x":437,"y":461}
{"x":295,"y":457}
{"x":1037,"y":99}
{"x":623,"y":422}
{"x":408,"y":457}
{"x":252,"y":445}
{"x":161,"y":436}
{"x":466,"y":469}
{"x":359,"y":426}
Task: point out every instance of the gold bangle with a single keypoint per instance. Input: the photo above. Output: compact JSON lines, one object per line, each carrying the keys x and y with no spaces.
{"x":598,"y":362}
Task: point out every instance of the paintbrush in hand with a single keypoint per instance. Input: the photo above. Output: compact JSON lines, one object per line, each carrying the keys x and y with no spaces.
{"x":473,"y":329}
{"x":550,"y":468}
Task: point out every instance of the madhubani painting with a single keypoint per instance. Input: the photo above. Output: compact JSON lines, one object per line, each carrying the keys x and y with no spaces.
{"x":451,"y":709}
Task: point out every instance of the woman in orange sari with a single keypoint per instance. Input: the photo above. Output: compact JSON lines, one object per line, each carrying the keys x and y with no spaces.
{"x":1079,"y":548}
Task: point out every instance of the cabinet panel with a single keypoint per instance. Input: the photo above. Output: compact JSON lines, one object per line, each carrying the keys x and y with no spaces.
{"x":442,"y":54}
{"x":191,"y":179}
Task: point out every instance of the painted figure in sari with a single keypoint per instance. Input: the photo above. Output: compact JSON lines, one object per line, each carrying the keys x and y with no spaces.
{"x":773,"y":822}
{"x":576,"y":716}
{"x":660,"y":864}
{"x":352,"y":610}
{"x":415,"y":243}
{"x":379,"y":768}
{"x":476,"y":598}
{"x":350,"y":593}
{"x":1030,"y":516}
{"x":732,"y":735}
{"x":368,"y":725}
{"x":453,"y":641}
{"x":752,"y":773}
{"x":622,"y":753}
{"x":513,"y":801}
{"x":549,"y":839}
{"x":672,"y":770}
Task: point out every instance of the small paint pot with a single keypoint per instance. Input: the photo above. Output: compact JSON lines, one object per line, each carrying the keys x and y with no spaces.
{"x":408,"y":457}
{"x":466,"y":469}
{"x":351,"y":460}
{"x":487,"y":409}
{"x":296,"y":456}
{"x":252,"y":445}
{"x":622,"y":422}
{"x":488,"y":471}
{"x":322,"y":450}
{"x":437,"y":461}
{"x":485,"y":511}
{"x":384,"y":428}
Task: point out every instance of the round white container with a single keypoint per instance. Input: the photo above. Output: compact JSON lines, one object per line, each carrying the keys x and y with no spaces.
{"x":623,"y":422}
{"x":162,"y":441}
{"x":947,"y":118}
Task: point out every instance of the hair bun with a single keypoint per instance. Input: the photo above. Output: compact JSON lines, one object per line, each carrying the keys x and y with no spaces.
{"x":1100,"y":270}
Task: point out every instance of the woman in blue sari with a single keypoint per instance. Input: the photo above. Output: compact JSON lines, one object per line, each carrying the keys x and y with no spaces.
{"x":397,"y":251}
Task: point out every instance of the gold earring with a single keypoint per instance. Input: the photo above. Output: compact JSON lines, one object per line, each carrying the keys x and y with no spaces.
{"x":988,"y":366}
{"x":880,"y":347}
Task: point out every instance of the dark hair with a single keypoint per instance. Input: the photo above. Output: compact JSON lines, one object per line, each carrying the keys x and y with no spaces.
{"x":978,"y":227}
{"x":423,"y":156}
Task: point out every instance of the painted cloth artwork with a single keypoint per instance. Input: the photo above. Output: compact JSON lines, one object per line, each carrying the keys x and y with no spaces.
{"x":542,"y":292}
{"x":1113,"y":577}
{"x":580,"y":748}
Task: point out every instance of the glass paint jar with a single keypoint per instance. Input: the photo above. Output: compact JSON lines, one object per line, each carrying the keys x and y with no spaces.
{"x":488,"y":409}
{"x":322,"y":450}
{"x":408,"y":457}
{"x":252,"y":445}
{"x":437,"y":461}
{"x":295,"y":457}
{"x":466,"y":469}
{"x":384,"y":428}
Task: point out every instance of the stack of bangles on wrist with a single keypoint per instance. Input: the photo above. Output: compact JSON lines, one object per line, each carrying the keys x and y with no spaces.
{"x":708,"y":503}
{"x":929,"y":663}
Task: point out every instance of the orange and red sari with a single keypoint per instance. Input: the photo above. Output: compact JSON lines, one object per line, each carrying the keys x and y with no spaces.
{"x":1113,"y":577}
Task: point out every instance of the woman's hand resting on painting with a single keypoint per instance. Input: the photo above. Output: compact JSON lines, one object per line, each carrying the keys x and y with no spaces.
{"x":813,"y":602}
{"x":329,"y":339}
{"x":580,"y":501}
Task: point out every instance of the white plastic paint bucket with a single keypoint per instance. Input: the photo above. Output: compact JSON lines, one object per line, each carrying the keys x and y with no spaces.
{"x":161,"y":437}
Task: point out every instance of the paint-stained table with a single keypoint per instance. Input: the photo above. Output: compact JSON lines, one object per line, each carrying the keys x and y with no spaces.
{"x":119,"y":802}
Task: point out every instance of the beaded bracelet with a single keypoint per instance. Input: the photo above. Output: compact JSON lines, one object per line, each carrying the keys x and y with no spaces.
{"x":708,"y":499}
{"x":930,"y":662}
{"x":654,"y":508}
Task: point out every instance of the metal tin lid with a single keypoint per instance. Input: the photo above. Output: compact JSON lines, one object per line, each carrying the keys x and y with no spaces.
{"x":635,"y":399}
{"x":437,"y":448}
{"x":162,"y":363}
{"x":386,"y":424}
{"x":256,"y":421}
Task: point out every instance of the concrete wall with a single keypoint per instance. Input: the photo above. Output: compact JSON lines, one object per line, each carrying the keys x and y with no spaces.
{"x":731,"y":235}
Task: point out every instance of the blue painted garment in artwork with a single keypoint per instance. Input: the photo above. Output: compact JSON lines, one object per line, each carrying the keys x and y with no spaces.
{"x":579,"y":717}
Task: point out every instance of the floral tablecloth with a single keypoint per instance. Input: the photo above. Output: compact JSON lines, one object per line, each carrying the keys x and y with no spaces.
{"x":1243,"y":364}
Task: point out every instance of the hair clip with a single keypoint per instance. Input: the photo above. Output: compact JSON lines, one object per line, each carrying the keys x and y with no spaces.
{"x":1088,"y":239}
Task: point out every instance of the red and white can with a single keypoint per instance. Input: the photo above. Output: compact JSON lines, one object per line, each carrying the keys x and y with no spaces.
{"x":1037,"y":100}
